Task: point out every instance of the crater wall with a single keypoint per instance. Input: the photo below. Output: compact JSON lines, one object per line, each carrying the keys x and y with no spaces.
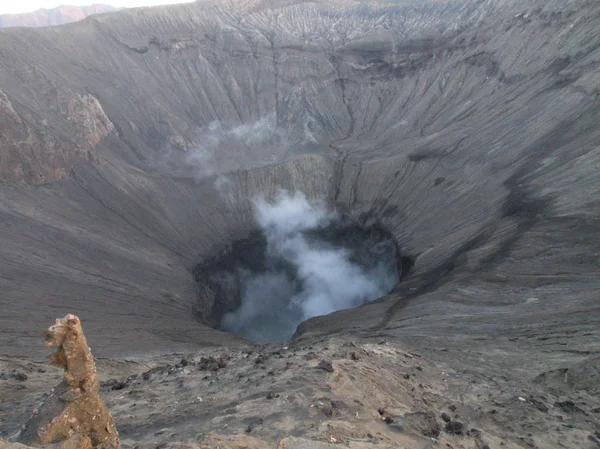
{"x":468,"y":130}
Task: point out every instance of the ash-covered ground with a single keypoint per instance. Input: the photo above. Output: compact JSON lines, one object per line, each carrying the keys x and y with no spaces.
{"x":341,"y":392}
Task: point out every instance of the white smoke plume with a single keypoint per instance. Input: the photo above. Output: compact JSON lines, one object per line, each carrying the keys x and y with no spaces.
{"x":220,"y":148}
{"x":306,"y":276}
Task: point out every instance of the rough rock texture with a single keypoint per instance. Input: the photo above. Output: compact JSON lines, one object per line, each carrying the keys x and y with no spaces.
{"x":38,"y":156}
{"x":132,"y":144}
{"x":73,"y":416}
{"x":53,"y":16}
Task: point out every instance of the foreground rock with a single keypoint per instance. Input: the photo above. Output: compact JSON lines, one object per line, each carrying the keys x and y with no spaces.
{"x":73,"y":416}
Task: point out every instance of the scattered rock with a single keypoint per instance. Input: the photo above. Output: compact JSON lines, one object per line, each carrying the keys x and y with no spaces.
{"x":211,"y":363}
{"x":446,"y":417}
{"x":354,"y":356}
{"x":423,"y":423}
{"x":455,"y":428}
{"x":260,"y":359}
{"x":538,"y":404}
{"x":337,"y":406}
{"x":326,"y":410}
{"x":452,"y":408}
{"x":475,"y":433}
{"x":381,"y":411}
{"x":253,"y":424}
{"x":388,"y":420}
{"x":21,"y":377}
{"x":325,"y":365}
{"x":271,"y":395}
{"x":114,"y":384}
{"x":148,"y":374}
{"x":568,"y":407}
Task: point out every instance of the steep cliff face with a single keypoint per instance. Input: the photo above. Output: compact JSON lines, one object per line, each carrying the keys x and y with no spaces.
{"x":34,"y":154}
{"x":133,"y":144}
{"x":54,"y":16}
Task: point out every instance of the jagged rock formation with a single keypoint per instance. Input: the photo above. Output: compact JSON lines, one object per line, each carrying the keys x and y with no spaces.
{"x":53,"y":16}
{"x":132,"y":144}
{"x":38,"y":156}
{"x":73,"y":416}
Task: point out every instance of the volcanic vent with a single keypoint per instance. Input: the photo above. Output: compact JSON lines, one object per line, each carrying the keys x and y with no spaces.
{"x":306,"y":260}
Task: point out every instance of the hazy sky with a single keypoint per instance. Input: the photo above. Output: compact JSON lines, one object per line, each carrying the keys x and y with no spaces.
{"x":17,"y":7}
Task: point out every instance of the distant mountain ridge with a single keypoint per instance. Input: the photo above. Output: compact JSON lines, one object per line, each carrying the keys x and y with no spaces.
{"x":54,"y":16}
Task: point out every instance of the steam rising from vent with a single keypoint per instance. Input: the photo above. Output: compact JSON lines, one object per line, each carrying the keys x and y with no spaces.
{"x":221,"y":149}
{"x":314,"y":264}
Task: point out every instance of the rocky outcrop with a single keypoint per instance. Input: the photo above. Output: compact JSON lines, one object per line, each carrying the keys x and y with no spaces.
{"x":73,"y":416}
{"x":92,"y":123}
{"x":34,"y":151}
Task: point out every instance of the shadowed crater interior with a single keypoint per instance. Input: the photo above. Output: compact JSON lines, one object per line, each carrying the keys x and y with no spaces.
{"x":304,"y":261}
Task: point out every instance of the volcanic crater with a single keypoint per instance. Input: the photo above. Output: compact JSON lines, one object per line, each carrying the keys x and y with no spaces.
{"x":457,"y":142}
